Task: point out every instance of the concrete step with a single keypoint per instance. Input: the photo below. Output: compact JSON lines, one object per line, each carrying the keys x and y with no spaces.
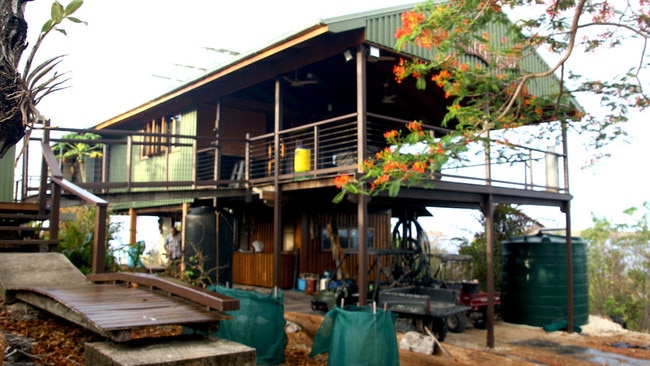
{"x":210,"y":351}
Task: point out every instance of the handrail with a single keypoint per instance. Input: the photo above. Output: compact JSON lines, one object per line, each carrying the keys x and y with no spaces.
{"x":207,"y":162}
{"x":101,"y":215}
{"x":196,"y":294}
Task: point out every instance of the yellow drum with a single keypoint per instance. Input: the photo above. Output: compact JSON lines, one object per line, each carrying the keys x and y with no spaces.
{"x":302,"y":160}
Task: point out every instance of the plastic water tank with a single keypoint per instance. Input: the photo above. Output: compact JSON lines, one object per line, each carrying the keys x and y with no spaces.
{"x":535,"y":280}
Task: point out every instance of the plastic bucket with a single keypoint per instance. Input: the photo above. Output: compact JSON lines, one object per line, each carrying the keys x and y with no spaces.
{"x":311,"y":285}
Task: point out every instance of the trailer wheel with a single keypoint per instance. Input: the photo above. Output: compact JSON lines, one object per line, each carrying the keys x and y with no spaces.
{"x":456,"y":323}
{"x":481,"y":321}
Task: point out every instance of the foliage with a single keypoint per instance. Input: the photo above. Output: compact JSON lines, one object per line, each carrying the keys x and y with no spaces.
{"x":409,"y":159}
{"x":76,"y":238}
{"x":34,"y":76}
{"x":619,"y":283}
{"x":192,"y":270}
{"x":485,"y":77}
{"x":479,"y":57}
{"x":509,"y":221}
{"x":22,"y":91}
{"x":76,"y":148}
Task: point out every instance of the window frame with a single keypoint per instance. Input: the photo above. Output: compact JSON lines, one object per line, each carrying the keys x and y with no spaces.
{"x":347,"y":239}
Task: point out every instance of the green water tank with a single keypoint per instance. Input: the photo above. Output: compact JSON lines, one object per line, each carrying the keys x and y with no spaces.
{"x":535,"y":282}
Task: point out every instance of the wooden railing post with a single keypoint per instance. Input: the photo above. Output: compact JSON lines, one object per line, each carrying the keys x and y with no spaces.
{"x":55,"y":206}
{"x":42,"y":191}
{"x":99,"y":250}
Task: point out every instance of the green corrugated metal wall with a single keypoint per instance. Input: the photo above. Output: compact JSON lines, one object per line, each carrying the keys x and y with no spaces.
{"x":380,"y":30}
{"x":7,"y":176}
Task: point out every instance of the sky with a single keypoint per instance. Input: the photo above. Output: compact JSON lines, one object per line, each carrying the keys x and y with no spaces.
{"x":134,"y":50}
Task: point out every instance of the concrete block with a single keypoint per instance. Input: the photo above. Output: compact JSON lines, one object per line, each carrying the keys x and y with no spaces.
{"x":194,"y":352}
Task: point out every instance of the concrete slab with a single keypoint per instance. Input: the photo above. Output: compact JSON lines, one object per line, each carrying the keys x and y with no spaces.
{"x":24,"y":270}
{"x":196,"y":352}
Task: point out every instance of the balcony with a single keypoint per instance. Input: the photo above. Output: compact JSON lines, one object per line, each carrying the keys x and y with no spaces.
{"x":133,"y":163}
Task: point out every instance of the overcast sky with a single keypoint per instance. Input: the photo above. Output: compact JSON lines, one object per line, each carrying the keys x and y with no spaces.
{"x":133,"y":50}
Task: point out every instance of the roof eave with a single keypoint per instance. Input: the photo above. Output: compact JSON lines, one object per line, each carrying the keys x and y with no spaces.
{"x":281,"y":44}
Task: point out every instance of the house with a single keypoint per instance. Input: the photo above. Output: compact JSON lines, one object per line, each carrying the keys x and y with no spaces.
{"x":244,"y":156}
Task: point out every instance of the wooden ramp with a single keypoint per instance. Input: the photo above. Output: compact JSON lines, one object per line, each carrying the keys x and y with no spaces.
{"x":110,"y":304}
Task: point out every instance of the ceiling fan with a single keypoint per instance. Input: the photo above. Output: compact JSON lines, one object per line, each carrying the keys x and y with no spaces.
{"x":295,"y":82}
{"x":388,"y":99}
{"x":380,"y":58}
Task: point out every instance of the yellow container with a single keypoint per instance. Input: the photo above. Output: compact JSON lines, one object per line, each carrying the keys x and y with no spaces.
{"x":302,"y":160}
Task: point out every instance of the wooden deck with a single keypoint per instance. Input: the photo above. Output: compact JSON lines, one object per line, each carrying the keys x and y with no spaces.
{"x":128,"y":303}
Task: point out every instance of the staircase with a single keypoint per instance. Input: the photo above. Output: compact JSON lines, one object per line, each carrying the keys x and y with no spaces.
{"x":24,"y":227}
{"x":23,"y":224}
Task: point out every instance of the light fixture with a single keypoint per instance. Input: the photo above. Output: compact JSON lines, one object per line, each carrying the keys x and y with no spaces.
{"x":348,"y":55}
{"x":374,"y":52}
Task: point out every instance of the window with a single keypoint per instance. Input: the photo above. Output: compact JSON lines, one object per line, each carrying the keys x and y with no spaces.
{"x":156,"y":140}
{"x":349,"y":238}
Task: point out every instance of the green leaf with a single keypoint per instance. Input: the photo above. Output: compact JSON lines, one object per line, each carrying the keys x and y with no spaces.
{"x":73,"y":6}
{"x":352,"y":188}
{"x":421,"y":83}
{"x":76,"y":20}
{"x":57,"y":12}
{"x":47,"y":26}
{"x":339,"y":197}
{"x":394,"y":187}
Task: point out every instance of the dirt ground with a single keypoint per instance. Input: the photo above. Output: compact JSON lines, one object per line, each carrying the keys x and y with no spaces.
{"x":57,"y":342}
{"x":601,"y":342}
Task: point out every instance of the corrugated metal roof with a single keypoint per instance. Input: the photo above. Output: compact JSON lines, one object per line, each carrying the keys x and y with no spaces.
{"x":380,"y":26}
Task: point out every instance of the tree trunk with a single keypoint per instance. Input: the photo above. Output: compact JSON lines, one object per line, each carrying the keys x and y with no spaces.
{"x":13,"y":35}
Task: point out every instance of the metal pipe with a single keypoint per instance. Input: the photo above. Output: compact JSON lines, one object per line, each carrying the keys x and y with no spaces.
{"x":488,"y":212}
{"x":129,"y":153}
{"x":362,"y":206}
{"x":277,"y":206}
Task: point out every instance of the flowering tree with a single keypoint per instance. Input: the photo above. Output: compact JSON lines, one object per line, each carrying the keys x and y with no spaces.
{"x":410,"y":158}
{"x":487,"y":81}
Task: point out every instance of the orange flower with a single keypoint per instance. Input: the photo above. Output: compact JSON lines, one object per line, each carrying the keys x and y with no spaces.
{"x":381,"y":179}
{"x":439,"y":149}
{"x":368,"y":164}
{"x":383,"y":153}
{"x":390,"y":134}
{"x":342,"y":180}
{"x":419,"y":166}
{"x":390,"y":166}
{"x":399,"y":71}
{"x":414,"y":126}
{"x":440,"y":78}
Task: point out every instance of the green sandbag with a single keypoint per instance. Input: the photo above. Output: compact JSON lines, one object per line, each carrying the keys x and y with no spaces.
{"x":357,"y":336}
{"x":560,"y":325}
{"x":259,"y":323}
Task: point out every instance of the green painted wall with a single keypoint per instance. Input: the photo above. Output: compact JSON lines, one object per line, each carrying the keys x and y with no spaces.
{"x":153,"y":168}
{"x":7,"y":175}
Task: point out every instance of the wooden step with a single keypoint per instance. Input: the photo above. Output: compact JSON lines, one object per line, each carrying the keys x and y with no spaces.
{"x":19,"y":216}
{"x":27,"y":242}
{"x":16,"y":207}
{"x":23,"y":228}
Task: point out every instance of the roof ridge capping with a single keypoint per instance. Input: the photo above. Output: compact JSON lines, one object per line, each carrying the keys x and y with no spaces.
{"x":357,"y":20}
